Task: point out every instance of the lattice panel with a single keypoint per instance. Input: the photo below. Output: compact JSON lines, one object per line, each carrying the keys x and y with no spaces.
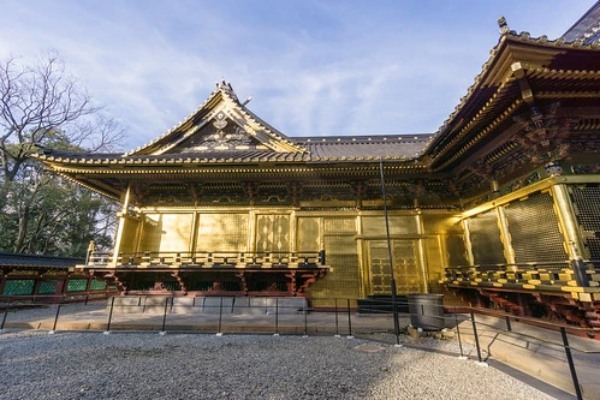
{"x":47,"y":287}
{"x":166,"y":232}
{"x":176,"y":231}
{"x":586,"y":201}
{"x":97,"y":285}
{"x":76,"y":285}
{"x":18,"y":287}
{"x":593,"y":244}
{"x":485,"y":239}
{"x":399,"y":225}
{"x":342,"y":281}
{"x":455,"y":248}
{"x":222,"y":232}
{"x":339,"y":225}
{"x":272,"y":233}
{"x":379,"y":270}
{"x":151,"y":232}
{"x":309,"y":234}
{"x":534,"y":230}
{"x":409,"y":277}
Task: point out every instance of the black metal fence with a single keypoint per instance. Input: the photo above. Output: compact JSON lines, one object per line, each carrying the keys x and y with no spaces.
{"x":294,"y":316}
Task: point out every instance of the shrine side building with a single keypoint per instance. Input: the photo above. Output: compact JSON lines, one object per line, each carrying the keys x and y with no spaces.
{"x":501,"y":205}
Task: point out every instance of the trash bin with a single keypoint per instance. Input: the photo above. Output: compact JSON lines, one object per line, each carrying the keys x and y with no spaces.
{"x":426,"y":311}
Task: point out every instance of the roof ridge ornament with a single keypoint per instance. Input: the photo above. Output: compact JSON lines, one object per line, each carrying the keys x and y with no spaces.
{"x":503,"y":25}
{"x":226,"y":87}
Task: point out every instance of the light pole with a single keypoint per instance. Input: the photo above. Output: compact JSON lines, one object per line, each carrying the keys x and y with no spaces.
{"x":389,"y":247}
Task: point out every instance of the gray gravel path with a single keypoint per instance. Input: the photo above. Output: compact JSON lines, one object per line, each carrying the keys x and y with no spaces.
{"x":35,"y":365}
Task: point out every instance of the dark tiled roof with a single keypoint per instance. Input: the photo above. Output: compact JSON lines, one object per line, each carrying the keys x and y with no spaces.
{"x":31,"y":260}
{"x":587,"y":28}
{"x":394,"y":146}
{"x":320,"y":149}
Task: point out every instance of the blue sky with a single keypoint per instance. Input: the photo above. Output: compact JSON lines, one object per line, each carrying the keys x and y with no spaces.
{"x":313,"y":67}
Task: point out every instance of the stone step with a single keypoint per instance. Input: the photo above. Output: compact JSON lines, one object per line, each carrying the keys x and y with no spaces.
{"x":382,"y":304}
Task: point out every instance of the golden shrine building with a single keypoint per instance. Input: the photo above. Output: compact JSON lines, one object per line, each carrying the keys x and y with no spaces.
{"x":500,"y":206}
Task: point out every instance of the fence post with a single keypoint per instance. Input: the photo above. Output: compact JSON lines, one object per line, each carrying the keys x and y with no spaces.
{"x":276,"y":317}
{"x":219,"y":333}
{"x":476,"y":337}
{"x":508,"y":325}
{"x":567,"y":348}
{"x":6,"y":308}
{"x":110,"y":313}
{"x":305,"y":320}
{"x":164,"y":321}
{"x":460,"y":346}
{"x":349,"y":320}
{"x":337,"y":322}
{"x":55,"y":319}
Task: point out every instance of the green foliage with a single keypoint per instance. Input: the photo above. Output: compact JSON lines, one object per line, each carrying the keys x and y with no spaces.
{"x":50,"y":215}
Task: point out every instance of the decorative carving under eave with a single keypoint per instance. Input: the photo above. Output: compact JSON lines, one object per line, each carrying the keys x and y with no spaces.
{"x":483,"y":170}
{"x":544,"y":139}
{"x":581,"y":169}
{"x":359,"y":190}
{"x":139,"y":192}
{"x":252,"y":191}
{"x":418,"y":190}
{"x":454,"y":187}
{"x":294,"y":192}
{"x":196,"y":190}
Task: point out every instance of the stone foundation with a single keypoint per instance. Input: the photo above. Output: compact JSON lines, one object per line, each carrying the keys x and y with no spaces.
{"x":208,"y":305}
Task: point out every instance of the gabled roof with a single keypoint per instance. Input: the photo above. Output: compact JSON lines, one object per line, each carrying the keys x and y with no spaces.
{"x":223,"y":131}
{"x":220,"y":123}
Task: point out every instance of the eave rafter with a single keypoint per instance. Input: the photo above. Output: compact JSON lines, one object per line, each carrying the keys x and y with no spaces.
{"x":93,"y":185}
{"x":481,"y":134}
{"x":237,"y":170}
{"x":523,"y":74}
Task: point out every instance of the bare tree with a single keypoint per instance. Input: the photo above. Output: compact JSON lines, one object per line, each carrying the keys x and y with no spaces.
{"x":43,"y":106}
{"x":34,"y":102}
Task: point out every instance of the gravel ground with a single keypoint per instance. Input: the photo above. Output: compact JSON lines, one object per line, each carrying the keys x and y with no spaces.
{"x":35,"y":365}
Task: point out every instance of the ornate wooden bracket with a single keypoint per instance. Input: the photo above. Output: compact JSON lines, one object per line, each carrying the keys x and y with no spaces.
{"x":244,"y":282}
{"x":180,"y":281}
{"x":292,"y":282}
{"x":118,"y":283}
{"x":252,"y":192}
{"x":294,"y":191}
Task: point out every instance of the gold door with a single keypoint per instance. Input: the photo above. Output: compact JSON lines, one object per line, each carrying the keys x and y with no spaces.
{"x":409,"y":277}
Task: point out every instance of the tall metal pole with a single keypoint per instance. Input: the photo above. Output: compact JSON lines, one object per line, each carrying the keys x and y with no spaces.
{"x":389,"y":247}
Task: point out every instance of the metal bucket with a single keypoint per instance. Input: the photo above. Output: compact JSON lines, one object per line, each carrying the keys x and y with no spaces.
{"x":426,"y":311}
